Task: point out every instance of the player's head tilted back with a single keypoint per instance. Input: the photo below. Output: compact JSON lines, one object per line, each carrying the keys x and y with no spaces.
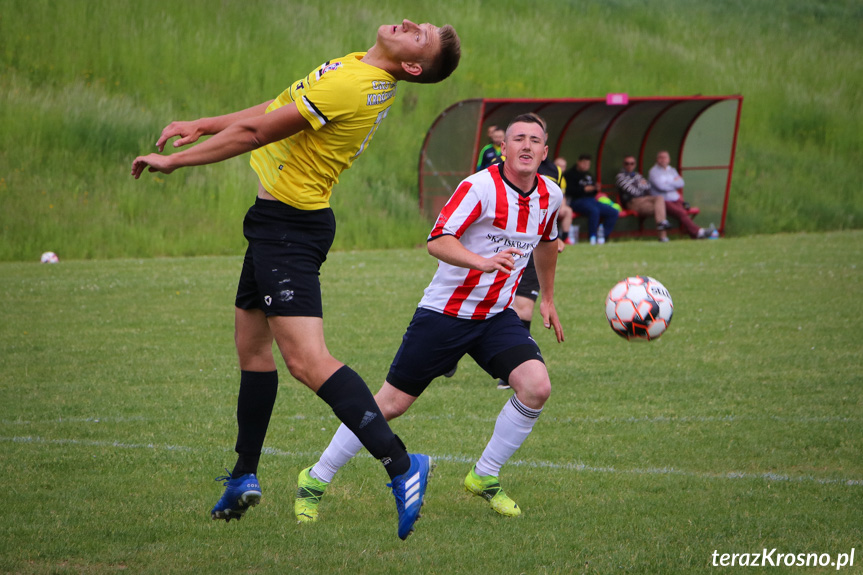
{"x":440,"y":66}
{"x":422,"y":53}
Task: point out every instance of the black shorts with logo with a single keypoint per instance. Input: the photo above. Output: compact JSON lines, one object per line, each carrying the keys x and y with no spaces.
{"x":434,"y":342}
{"x":281,"y":269}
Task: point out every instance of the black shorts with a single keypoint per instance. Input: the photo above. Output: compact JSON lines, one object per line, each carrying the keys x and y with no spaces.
{"x":434,"y":342}
{"x":529,"y":284}
{"x":281,"y":270}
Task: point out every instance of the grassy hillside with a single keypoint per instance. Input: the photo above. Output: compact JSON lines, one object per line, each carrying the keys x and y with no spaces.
{"x":87,"y":86}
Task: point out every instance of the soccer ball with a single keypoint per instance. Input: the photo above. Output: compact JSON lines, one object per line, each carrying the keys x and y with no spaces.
{"x":639,"y":307}
{"x":49,"y":258}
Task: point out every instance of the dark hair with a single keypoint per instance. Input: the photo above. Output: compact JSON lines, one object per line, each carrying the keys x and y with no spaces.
{"x":530,"y":118}
{"x":538,"y":119}
{"x":585,"y":157}
{"x":446,"y":60}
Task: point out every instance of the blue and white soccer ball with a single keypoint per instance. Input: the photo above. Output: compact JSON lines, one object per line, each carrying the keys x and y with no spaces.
{"x":639,"y":307}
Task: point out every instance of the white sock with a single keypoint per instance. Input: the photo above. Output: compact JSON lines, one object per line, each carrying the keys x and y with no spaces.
{"x":513,"y":425}
{"x":343,"y":446}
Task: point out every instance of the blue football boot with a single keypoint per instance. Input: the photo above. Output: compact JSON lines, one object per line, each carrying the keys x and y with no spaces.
{"x":409,"y":490}
{"x":240,"y":494}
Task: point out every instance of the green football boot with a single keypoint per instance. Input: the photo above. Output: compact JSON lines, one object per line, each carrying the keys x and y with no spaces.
{"x":309,"y":493}
{"x":488,"y":487}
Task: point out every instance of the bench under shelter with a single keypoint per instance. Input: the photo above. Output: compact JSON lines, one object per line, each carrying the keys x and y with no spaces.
{"x":699,"y":132}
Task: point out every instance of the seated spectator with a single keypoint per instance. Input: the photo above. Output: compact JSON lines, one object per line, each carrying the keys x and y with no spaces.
{"x":665,"y":182}
{"x":581,"y":195}
{"x":560,"y":162}
{"x":490,"y":154}
{"x":634,"y":194}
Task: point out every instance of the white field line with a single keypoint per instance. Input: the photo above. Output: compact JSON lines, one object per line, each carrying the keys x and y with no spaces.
{"x":571,"y":466}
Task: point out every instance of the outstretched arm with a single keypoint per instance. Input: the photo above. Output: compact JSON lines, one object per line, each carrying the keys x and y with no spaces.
{"x":449,"y":249}
{"x":189,"y":132}
{"x":545,"y":260}
{"x":248,"y":132}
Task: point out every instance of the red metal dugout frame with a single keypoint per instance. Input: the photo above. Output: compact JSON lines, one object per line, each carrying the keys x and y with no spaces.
{"x":699,"y":132}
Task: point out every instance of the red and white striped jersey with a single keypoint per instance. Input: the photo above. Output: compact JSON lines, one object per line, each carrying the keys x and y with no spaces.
{"x":488,"y":214}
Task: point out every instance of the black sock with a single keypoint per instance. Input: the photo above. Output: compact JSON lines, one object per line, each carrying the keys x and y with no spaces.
{"x":352,"y":402}
{"x":526,"y":323}
{"x":254,"y":408}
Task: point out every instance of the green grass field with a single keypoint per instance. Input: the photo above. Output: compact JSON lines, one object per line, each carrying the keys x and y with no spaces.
{"x":739,"y":430}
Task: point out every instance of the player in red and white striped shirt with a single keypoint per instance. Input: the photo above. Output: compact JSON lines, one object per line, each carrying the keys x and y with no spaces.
{"x":483,"y":238}
{"x":489,"y":215}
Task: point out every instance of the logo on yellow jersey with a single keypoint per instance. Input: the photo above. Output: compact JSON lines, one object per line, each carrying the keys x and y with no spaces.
{"x":327,"y":67}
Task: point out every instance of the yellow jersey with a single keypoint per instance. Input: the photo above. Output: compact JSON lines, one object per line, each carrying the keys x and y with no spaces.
{"x":344,"y":101}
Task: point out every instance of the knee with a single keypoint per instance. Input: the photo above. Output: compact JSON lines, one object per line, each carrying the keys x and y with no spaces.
{"x":254,"y":354}
{"x":541,"y":391}
{"x":532,"y":385}
{"x":309,"y":369}
{"x":253,"y":340}
{"x":535,"y":394}
{"x":392,"y":410}
{"x":298,"y":367}
{"x":393,"y":402}
{"x":523,"y":308}
{"x":311,"y":365}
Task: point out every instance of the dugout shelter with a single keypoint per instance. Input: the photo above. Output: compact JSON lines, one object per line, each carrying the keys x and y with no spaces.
{"x":699,"y":132}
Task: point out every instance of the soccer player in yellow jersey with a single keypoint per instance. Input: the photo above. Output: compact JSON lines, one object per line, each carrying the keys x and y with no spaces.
{"x":300,"y":144}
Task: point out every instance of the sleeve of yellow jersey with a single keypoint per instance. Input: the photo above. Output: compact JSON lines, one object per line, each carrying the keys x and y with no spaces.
{"x":334,"y":96}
